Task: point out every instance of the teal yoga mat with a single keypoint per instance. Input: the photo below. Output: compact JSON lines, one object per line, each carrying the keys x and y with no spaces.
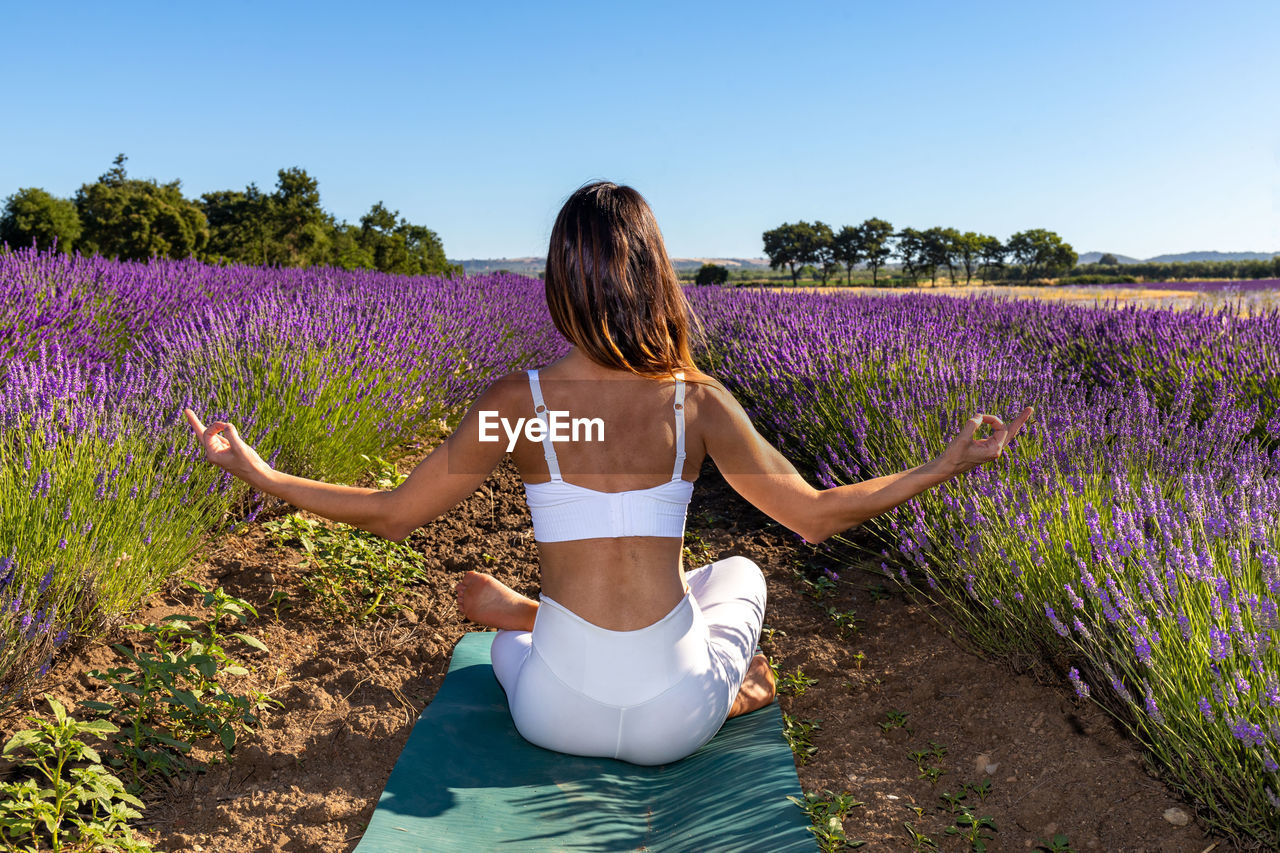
{"x":467,"y":781}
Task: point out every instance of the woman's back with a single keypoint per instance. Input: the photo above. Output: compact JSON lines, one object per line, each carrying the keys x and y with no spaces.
{"x":620,"y":583}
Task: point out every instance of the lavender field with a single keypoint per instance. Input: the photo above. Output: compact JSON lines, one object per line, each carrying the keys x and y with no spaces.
{"x":1130,"y":539}
{"x":105,"y":494}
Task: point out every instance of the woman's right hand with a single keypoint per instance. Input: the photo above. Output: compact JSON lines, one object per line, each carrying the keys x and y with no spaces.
{"x":228,"y":452}
{"x":965,"y":452}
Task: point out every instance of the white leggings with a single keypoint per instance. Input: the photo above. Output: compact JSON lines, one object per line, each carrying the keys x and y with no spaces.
{"x":649,"y":696}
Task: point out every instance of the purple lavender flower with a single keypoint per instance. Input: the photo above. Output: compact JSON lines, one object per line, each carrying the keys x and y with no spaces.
{"x":1053,"y":620}
{"x":1153,"y":710}
{"x":1082,"y":689}
{"x":1219,"y":644}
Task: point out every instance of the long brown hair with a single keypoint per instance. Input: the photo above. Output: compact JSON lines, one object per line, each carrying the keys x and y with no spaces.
{"x":612,"y":290}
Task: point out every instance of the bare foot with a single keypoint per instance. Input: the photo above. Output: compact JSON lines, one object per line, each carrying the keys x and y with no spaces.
{"x":488,"y":601}
{"x":758,"y":688}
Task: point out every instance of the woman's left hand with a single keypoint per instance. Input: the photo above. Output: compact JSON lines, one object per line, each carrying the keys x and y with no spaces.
{"x":227,"y":451}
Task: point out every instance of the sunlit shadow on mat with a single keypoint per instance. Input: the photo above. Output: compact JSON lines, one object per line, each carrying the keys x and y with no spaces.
{"x":467,"y":781}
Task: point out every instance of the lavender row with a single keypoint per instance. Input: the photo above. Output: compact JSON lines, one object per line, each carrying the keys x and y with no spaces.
{"x":103,"y":489}
{"x":1128,"y":539}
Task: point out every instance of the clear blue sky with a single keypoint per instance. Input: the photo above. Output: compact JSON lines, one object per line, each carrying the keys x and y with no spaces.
{"x":1133,"y":127}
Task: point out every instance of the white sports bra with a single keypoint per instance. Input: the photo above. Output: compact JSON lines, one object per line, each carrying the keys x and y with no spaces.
{"x":562,"y":511}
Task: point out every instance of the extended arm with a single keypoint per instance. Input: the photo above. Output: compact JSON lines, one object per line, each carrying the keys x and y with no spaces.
{"x":447,"y":476}
{"x":762,"y":475}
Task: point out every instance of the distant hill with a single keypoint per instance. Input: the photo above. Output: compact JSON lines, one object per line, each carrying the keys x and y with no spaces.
{"x":533,"y":266}
{"x":1214,"y":256}
{"x":683,"y":264}
{"x":1093,"y":257}
{"x":521,"y":266}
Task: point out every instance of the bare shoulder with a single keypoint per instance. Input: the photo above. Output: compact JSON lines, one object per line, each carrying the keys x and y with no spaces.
{"x":507,"y":392}
{"x":713,"y":402}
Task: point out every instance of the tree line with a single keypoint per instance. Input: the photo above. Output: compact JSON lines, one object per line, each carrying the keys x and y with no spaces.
{"x":131,"y":219}
{"x":1037,"y":253}
{"x":1188,"y":270}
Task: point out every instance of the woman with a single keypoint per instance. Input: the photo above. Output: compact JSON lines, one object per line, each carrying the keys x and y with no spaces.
{"x":625,"y":655}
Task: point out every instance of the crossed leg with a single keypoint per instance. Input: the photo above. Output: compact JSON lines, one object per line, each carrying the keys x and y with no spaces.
{"x":486,"y":600}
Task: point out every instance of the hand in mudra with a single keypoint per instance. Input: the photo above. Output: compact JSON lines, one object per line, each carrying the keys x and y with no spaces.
{"x":227,"y":451}
{"x":966,"y":452}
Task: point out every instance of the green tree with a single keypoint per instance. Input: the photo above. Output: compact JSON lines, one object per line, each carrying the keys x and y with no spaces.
{"x":346,"y":251}
{"x":822,"y":251}
{"x":789,"y":245}
{"x":874,"y":245}
{"x":912,"y":250}
{"x":426,"y":250}
{"x":711,"y":274}
{"x":968,"y":248}
{"x":1041,"y":253}
{"x":940,"y":250}
{"x":31,"y":214}
{"x":991,"y":253}
{"x":239,"y":230}
{"x":133,"y":219}
{"x":1109,"y":260}
{"x":848,"y":250}
{"x":397,"y":246}
{"x":288,"y":227}
{"x":299,"y":225}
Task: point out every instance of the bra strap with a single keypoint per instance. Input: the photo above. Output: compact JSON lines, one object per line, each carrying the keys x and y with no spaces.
{"x":540,"y":411}
{"x":679,"y":407}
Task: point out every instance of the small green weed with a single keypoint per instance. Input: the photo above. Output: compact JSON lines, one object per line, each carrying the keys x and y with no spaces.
{"x":798,"y":734}
{"x":895,"y":720}
{"x":919,"y":841}
{"x":61,"y":803}
{"x":846,"y":621}
{"x":929,"y":770}
{"x":696,"y":551}
{"x":795,"y":683}
{"x":827,"y":812}
{"x":953,"y":801}
{"x":170,"y":695}
{"x":878,"y":592}
{"x":820,"y":587}
{"x":1058,"y":844}
{"x":384,"y":473}
{"x":351,"y":573}
{"x":981,"y":790}
{"x":970,"y":828}
{"x":966,"y":824}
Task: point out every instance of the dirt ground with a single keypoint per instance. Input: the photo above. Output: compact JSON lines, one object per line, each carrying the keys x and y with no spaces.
{"x":309,"y":778}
